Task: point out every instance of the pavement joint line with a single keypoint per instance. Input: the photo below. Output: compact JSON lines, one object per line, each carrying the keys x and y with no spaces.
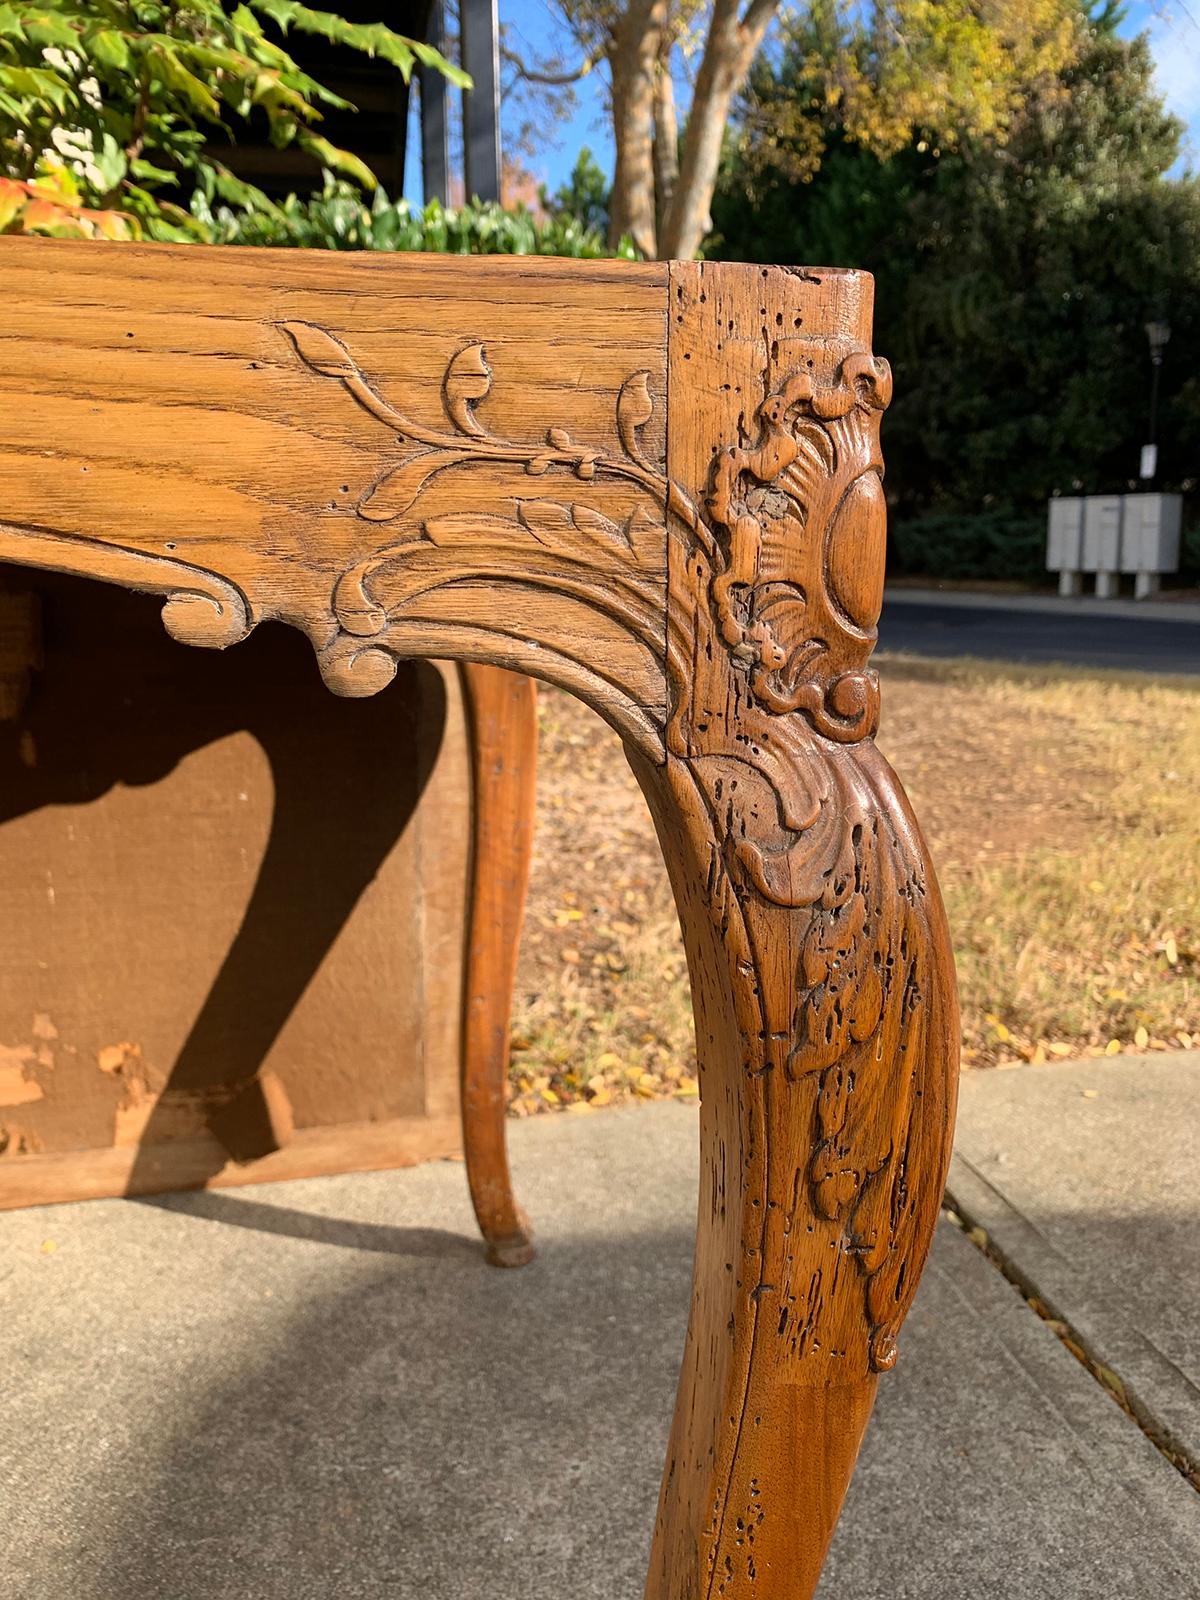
{"x":1172,"y":1450}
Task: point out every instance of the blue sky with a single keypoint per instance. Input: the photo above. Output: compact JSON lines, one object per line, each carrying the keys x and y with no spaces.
{"x":1173,"y":25}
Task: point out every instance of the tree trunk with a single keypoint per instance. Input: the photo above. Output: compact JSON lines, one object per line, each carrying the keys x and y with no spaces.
{"x":666,"y":135}
{"x":633,"y":59}
{"x":728,"y":52}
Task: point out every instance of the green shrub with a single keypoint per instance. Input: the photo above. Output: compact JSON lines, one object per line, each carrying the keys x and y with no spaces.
{"x":110,"y":109}
{"x":983,"y":544}
{"x":341,"y":219}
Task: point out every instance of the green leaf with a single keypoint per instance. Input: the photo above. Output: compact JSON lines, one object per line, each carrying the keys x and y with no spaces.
{"x":277,"y":100}
{"x":235,"y":191}
{"x":44,"y":29}
{"x":149,"y":173}
{"x":336,"y":160}
{"x":39,"y":83}
{"x":245,"y":19}
{"x":372,"y":38}
{"x":175,"y":76}
{"x":109,"y":160}
{"x":110,"y":50}
{"x":429,"y":57}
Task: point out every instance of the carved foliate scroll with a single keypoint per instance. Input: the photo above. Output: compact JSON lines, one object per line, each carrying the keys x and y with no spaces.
{"x":780,"y":528}
{"x":589,"y":552}
{"x":401,"y":457}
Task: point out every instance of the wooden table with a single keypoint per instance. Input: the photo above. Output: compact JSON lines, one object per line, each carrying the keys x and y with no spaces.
{"x":658,"y":487}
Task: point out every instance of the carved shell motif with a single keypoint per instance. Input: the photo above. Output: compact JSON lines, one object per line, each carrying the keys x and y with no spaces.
{"x":803,"y":525}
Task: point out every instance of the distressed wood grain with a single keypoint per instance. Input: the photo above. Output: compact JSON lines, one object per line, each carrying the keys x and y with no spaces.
{"x":387,"y":455}
{"x":821,"y":971}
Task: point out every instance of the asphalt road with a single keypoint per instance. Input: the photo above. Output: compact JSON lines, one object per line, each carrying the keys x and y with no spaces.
{"x":1127,"y":643}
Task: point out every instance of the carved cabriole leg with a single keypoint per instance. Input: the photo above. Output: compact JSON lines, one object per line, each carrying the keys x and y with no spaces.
{"x":821,"y":971}
{"x":502,"y":722}
{"x":826,"y":1035}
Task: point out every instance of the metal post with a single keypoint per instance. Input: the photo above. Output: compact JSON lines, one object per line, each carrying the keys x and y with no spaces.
{"x":1155,"y":374}
{"x":435,"y":125}
{"x":481,"y":104}
{"x":1157,"y":332}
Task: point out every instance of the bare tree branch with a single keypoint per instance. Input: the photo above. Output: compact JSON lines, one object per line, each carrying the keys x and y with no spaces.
{"x":553,"y":80}
{"x":758,"y":15}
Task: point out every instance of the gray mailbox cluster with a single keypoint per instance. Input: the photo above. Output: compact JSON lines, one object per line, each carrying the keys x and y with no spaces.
{"x":1108,"y":534}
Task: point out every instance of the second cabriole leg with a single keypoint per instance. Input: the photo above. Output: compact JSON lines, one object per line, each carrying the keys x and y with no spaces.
{"x":502,"y":728}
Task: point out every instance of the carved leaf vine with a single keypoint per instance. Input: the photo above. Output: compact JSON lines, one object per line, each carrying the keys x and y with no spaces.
{"x":613,"y":566}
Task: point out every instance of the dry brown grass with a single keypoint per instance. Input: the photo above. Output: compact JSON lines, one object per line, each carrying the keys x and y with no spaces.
{"x":1062,"y":809}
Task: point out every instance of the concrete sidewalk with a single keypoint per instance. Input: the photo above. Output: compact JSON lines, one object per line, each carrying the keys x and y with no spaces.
{"x":318,"y":1391}
{"x":1086,"y":1178}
